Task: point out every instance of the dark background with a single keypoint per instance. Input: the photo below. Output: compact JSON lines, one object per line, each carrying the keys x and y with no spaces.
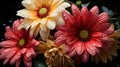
{"x":8,"y":9}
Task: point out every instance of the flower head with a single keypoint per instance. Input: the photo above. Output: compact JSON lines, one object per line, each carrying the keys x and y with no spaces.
{"x":84,"y":32}
{"x":55,"y":55}
{"x":18,"y":45}
{"x":42,"y":15}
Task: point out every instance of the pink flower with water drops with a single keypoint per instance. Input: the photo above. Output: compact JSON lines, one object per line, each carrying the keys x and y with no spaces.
{"x":19,"y":45}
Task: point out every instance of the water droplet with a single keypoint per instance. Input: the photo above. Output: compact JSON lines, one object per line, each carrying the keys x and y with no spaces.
{"x":7,"y":50}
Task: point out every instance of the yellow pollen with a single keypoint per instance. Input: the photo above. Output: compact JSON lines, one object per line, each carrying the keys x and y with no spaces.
{"x":43,"y":11}
{"x":21,"y":42}
{"x":84,"y":34}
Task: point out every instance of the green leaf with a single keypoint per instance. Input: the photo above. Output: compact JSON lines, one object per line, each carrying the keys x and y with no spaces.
{"x":39,"y":61}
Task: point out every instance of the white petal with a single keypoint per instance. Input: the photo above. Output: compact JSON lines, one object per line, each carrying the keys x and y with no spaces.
{"x":60,"y":8}
{"x":43,"y":26}
{"x":30,"y":4}
{"x":59,"y":20}
{"x":51,"y":24}
{"x":35,"y":23}
{"x":44,"y":34}
{"x":27,"y":14}
{"x":25,"y":24}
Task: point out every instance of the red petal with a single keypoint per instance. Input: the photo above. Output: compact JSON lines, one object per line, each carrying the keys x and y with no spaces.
{"x":85,"y":15}
{"x":103,"y":18}
{"x":67,"y":18}
{"x":75,"y":12}
{"x":95,"y":10}
{"x":8,"y":43}
{"x":79,"y":47}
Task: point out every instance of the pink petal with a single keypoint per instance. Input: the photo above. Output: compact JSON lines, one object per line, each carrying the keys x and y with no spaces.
{"x":23,"y":50}
{"x":96,"y":42}
{"x":67,"y":18}
{"x":11,"y":54}
{"x":103,"y":18}
{"x":15,"y":58}
{"x":60,"y":40}
{"x":16,"y":24}
{"x":91,"y":48}
{"x":110,"y":30}
{"x":71,"y":40}
{"x":35,"y":43}
{"x":101,"y":36}
{"x":18,"y":63}
{"x":79,"y":47}
{"x":8,"y":43}
{"x":58,"y":33}
{"x":85,"y":56}
{"x":75,"y":12}
{"x":72,"y":53}
{"x":95,"y":10}
{"x":11,"y":35}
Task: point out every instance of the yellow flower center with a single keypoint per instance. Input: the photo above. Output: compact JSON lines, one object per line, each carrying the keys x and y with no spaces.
{"x":21,"y":42}
{"x":43,"y":11}
{"x":84,"y":34}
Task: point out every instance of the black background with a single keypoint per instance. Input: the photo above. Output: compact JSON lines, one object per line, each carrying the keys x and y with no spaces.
{"x":8,"y":9}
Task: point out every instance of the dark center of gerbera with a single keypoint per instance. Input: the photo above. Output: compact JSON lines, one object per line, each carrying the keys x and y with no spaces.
{"x":43,"y":12}
{"x":21,"y":42}
{"x":84,"y":34}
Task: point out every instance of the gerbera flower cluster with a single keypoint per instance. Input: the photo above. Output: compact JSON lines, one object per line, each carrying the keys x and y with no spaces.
{"x":64,"y":38}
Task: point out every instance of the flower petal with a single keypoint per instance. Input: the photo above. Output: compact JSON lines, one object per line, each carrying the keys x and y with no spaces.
{"x":95,"y":10}
{"x":30,"y":4}
{"x":27,"y":14}
{"x":15,"y":58}
{"x":76,"y":12}
{"x":103,"y":18}
{"x":79,"y":47}
{"x":11,"y":35}
{"x":51,"y":24}
{"x":44,"y":34}
{"x":85,"y":56}
{"x":67,"y":18}
{"x":84,"y":15}
{"x":8,"y":43}
{"x":90,"y":48}
{"x":56,"y":10}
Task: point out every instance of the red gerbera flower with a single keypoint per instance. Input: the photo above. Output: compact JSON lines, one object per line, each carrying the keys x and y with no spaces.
{"x":84,"y":32}
{"x":18,"y":45}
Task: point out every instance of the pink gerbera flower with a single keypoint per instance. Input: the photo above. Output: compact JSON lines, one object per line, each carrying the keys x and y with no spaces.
{"x":18,"y":45}
{"x":84,"y":32}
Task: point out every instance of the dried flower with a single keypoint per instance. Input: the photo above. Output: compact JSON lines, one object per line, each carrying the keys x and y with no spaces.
{"x":55,"y":55}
